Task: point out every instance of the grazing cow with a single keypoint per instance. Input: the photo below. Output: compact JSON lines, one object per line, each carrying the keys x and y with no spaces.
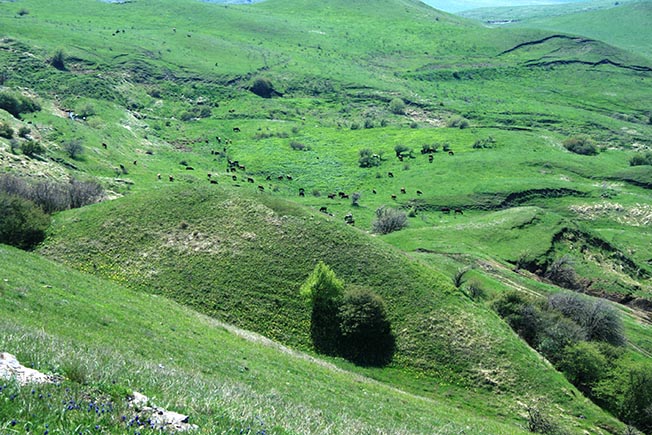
{"x":431,"y":158}
{"x":213,"y":181}
{"x":122,"y":168}
{"x":174,"y":29}
{"x":189,"y":35}
{"x":341,"y":194}
{"x":400,"y":157}
{"x":242,"y":167}
{"x":302,"y":192}
{"x":231,"y":110}
{"x":149,"y":152}
{"x":280,"y":177}
{"x":393,"y":197}
{"x":349,"y":219}
{"x":135,"y":162}
{"x":158,"y":176}
{"x":209,"y":175}
{"x":268,"y":178}
{"x":458,"y":211}
{"x":419,"y":192}
{"x":446,"y":210}
{"x":390,"y":174}
{"x":234,"y":178}
{"x":189,"y":168}
{"x":219,"y":139}
{"x":104,"y":145}
{"x":403,"y":190}
{"x":374,"y":191}
{"x":170,"y":177}
{"x":261,"y":188}
{"x":331,"y":196}
{"x":250,"y":180}
{"x":345,"y":196}
{"x":236,"y":129}
{"x":451,"y":153}
{"x":323,"y":209}
{"x":289,"y":177}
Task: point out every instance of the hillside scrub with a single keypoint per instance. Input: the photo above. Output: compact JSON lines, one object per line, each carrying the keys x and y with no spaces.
{"x":17,"y":104}
{"x":22,"y":223}
{"x":583,"y":145}
{"x":389,"y":220}
{"x":641,"y":159}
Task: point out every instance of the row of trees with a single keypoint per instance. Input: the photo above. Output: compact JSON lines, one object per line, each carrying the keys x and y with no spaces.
{"x":352,"y":324}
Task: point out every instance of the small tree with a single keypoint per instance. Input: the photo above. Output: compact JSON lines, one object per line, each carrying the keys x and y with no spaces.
{"x":73,"y":148}
{"x":6,"y":131}
{"x":397,"y":106}
{"x":22,"y":223}
{"x":59,"y":60}
{"x":367,"y":337}
{"x":389,"y":220}
{"x":583,"y":364}
{"x":323,"y":291}
{"x":368,"y":159}
{"x":24,"y":132}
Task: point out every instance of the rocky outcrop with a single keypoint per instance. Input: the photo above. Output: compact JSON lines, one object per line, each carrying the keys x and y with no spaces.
{"x":10,"y":368}
{"x":160,"y":418}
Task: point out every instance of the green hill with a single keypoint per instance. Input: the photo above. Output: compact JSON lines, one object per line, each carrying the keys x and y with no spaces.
{"x":219,"y":131}
{"x":107,"y":341}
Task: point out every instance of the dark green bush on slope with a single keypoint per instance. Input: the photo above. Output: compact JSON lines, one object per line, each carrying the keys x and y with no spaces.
{"x":581,"y":145}
{"x":17,"y":104}
{"x":367,"y":337}
{"x":22,"y":223}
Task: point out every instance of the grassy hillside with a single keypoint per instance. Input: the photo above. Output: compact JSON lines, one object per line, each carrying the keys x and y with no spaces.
{"x":159,"y":95}
{"x":242,"y":259}
{"x":107,"y":341}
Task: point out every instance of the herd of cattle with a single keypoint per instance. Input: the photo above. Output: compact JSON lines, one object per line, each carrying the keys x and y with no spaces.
{"x":233,"y":166}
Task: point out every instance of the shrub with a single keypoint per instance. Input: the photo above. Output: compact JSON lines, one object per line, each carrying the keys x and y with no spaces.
{"x":581,"y":145}
{"x":554,"y":333}
{"x":641,"y":159}
{"x":17,"y":104}
{"x":355,"y":126}
{"x":521,"y":314}
{"x":263,"y":87}
{"x":24,"y":132}
{"x":73,"y":148}
{"x":397,"y":106}
{"x":298,"y":146}
{"x":540,"y":422}
{"x":389,"y":220}
{"x":561,"y":271}
{"x":583,"y":365}
{"x":636,"y":408}
{"x":6,"y":131}
{"x":427,"y":148}
{"x":458,"y":122}
{"x":59,"y":60}
{"x":368,"y":123}
{"x":22,"y":223}
{"x":87,"y":110}
{"x":368,"y":159}
{"x":355,"y":197}
{"x":367,"y":337}
{"x":31,"y":148}
{"x":402,"y":149}
{"x":14,"y":145}
{"x":323,"y":291}
{"x":488,"y":142}
{"x":600,"y":321}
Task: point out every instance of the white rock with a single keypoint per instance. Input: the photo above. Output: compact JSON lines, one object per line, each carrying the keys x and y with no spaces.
{"x":11,"y":368}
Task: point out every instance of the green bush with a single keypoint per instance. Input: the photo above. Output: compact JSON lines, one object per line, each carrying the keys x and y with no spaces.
{"x":59,"y":60}
{"x":641,"y":159}
{"x":583,"y":365}
{"x":73,"y":148}
{"x":22,"y":223}
{"x":458,"y":122}
{"x":368,"y":159}
{"x":6,"y":131}
{"x":367,"y":337}
{"x":17,"y":104}
{"x":397,"y":106}
{"x":263,"y":87}
{"x":323,"y":291}
{"x":31,"y":148}
{"x":581,"y":145}
{"x":389,"y":220}
{"x":24,"y":132}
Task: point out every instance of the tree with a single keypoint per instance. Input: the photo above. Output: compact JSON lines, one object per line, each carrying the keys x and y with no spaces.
{"x":323,"y":291}
{"x":368,"y":158}
{"x":367,"y":337}
{"x":389,"y":220}
{"x":22,"y":223}
{"x":31,"y":148}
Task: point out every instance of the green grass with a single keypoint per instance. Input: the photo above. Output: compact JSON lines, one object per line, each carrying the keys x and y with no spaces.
{"x":107,"y":340}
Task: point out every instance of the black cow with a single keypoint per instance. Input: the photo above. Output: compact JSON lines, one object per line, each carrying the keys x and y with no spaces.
{"x":236,"y":129}
{"x":390,"y":174}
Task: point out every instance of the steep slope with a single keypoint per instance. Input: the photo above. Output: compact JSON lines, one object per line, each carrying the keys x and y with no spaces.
{"x":242,"y":258}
